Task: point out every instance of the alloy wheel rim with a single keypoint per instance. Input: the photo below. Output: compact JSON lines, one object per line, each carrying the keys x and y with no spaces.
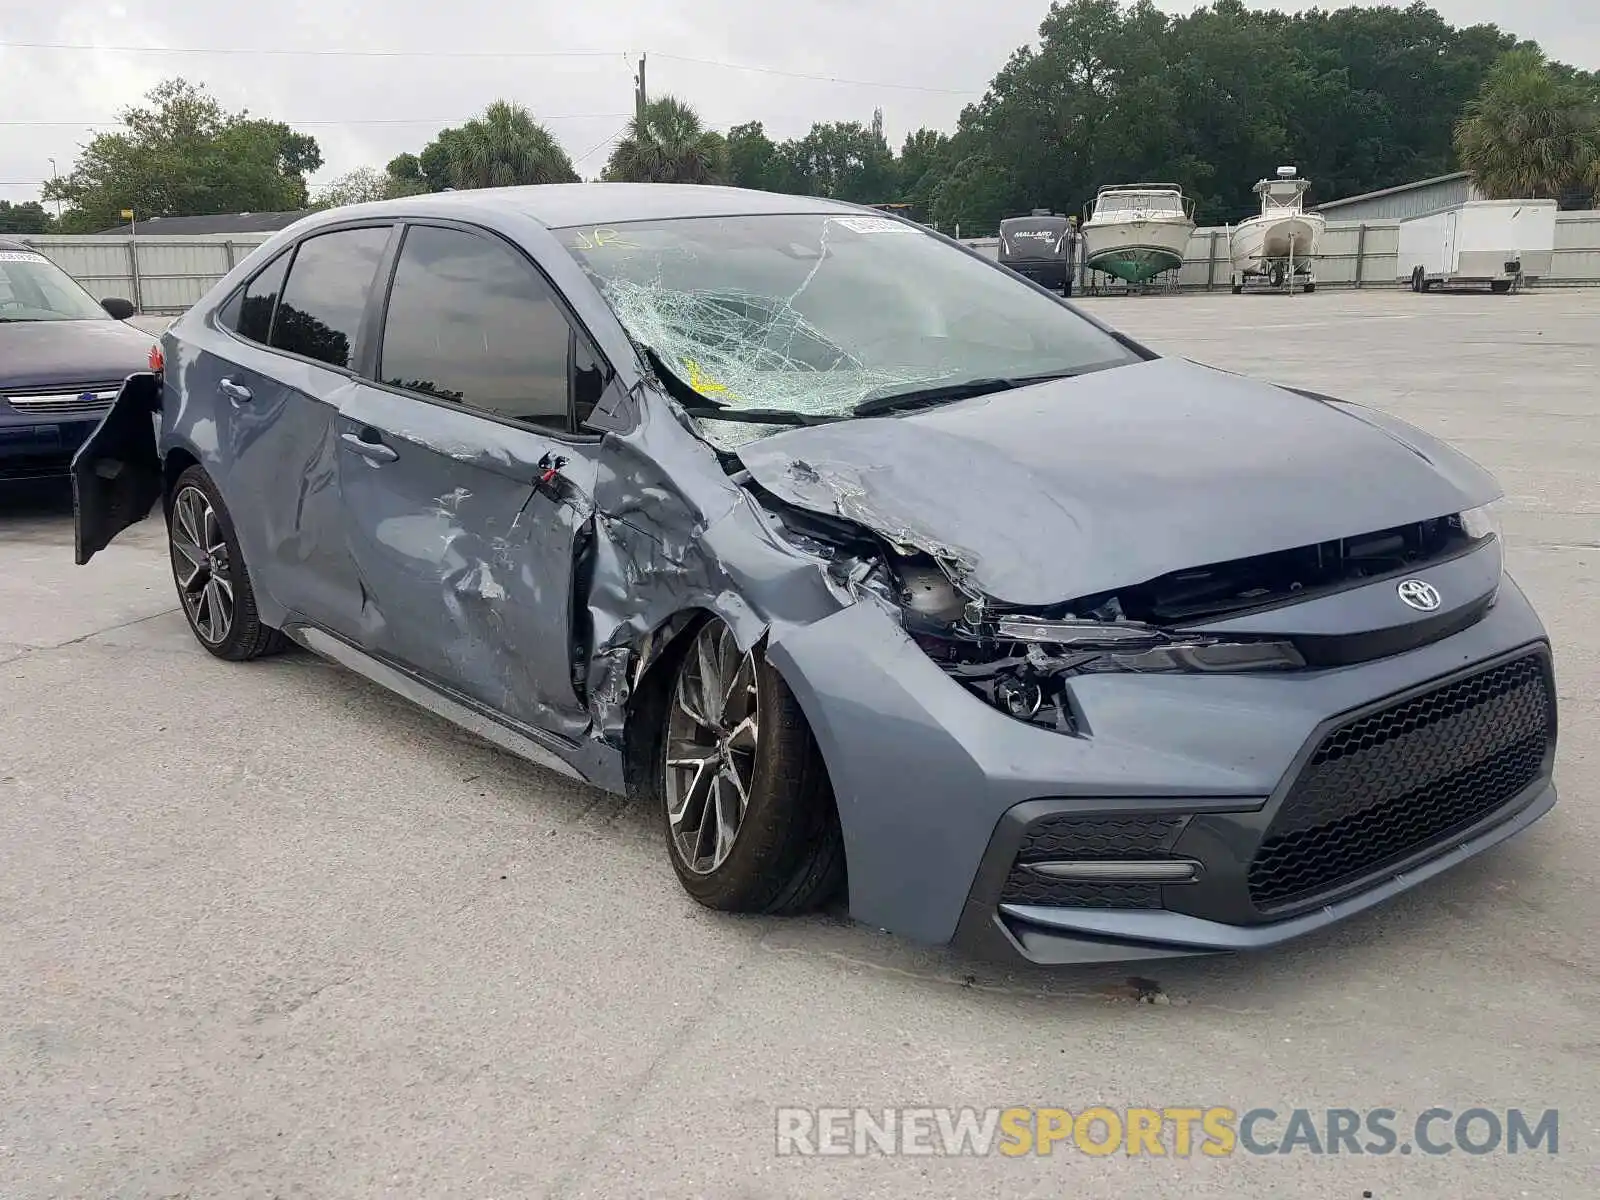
{"x":713,"y":733}
{"x":201,"y":565}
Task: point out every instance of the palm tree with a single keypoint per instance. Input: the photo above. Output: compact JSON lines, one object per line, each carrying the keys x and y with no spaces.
{"x":503,"y":148}
{"x":668,"y":143}
{"x":1530,"y":133}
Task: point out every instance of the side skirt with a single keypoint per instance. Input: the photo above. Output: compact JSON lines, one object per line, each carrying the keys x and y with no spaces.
{"x":536,"y":746}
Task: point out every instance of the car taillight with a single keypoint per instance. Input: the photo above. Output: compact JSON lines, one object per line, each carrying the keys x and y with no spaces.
{"x":157,"y":361}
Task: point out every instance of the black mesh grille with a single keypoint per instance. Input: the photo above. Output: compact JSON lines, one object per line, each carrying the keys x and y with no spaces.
{"x":1064,"y":836}
{"x":1024,"y":887}
{"x":1391,"y":783}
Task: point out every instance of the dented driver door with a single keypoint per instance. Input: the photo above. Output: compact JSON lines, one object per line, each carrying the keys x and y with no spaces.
{"x":465,"y":493}
{"x":464,"y":555}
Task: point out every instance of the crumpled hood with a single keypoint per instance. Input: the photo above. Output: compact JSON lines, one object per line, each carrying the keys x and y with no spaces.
{"x":1079,"y":486}
{"x":47,"y":353}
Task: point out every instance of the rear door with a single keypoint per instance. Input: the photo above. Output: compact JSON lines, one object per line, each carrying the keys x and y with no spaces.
{"x":466,"y":490}
{"x":261,"y":399}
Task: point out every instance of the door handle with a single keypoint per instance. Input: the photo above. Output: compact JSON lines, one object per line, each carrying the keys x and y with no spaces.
{"x":236,"y":392}
{"x":373,"y":451}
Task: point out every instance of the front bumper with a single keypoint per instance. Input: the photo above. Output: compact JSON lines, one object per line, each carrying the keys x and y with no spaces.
{"x":935,"y":789}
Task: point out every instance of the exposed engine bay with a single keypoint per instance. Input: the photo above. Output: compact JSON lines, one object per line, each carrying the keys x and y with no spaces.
{"x":1020,"y":660}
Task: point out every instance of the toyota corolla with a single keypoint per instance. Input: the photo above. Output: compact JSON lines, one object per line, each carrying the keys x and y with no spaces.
{"x":877,"y":570}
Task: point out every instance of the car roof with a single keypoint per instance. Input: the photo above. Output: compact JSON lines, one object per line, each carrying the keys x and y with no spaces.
{"x":559,"y":205}
{"x":13,"y":244}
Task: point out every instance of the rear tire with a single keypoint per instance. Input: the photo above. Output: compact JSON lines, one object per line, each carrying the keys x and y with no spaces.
{"x":748,"y":812}
{"x":209,"y":570}
{"x":1416,"y":280}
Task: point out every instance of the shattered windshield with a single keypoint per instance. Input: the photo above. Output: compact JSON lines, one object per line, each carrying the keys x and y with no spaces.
{"x":813,"y":313}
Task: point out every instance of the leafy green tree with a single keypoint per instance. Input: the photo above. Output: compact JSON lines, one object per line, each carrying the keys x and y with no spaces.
{"x":843,"y":160}
{"x":181,"y":154}
{"x":354,"y":187}
{"x":505,"y":147}
{"x":668,"y":143}
{"x":404,"y":177}
{"x":1531,"y":131}
{"x":752,"y":158}
{"x":27,"y":217}
{"x":974,"y":196}
{"x":924,"y":161}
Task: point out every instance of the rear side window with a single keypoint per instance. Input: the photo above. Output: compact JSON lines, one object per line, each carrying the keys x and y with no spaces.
{"x":471,"y":322}
{"x":249,"y":313}
{"x":320,"y":313}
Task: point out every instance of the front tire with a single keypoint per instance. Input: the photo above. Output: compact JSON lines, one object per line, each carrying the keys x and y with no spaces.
{"x":209,"y":570}
{"x":750,"y":821}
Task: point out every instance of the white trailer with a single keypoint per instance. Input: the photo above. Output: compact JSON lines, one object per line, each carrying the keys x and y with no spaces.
{"x":1500,"y":243}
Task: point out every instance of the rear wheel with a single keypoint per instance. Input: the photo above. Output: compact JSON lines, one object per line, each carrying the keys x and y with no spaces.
{"x":1416,"y":280}
{"x":750,"y":819}
{"x":209,"y":569}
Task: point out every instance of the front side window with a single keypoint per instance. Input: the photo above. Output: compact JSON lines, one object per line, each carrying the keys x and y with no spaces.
{"x":32,"y":288}
{"x":815,"y":313}
{"x":320,"y":312}
{"x":469,"y":321}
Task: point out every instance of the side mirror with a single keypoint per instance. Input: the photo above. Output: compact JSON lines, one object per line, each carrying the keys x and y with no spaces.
{"x":119,"y":308}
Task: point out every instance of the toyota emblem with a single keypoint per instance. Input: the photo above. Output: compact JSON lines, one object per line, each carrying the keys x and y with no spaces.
{"x":1420,"y":595}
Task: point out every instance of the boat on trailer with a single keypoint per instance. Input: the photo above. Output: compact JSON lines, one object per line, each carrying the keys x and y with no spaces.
{"x":1135,"y":231}
{"x":1280,"y":243}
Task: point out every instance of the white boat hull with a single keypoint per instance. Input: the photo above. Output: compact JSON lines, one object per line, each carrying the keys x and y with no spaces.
{"x":1153,"y":244}
{"x":1269,"y":239}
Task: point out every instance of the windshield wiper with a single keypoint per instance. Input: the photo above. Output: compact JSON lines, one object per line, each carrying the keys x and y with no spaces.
{"x":697,"y":404}
{"x":943,"y":393}
{"x":759,"y":416}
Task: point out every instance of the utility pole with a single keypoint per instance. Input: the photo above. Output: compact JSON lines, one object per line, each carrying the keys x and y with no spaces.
{"x":58,"y":198}
{"x":640,"y":96}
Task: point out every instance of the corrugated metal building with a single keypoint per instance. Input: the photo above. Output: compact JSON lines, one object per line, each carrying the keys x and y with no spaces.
{"x":1407,"y":200}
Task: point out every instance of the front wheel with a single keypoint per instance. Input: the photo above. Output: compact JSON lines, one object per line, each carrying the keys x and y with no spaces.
{"x":209,"y":570}
{"x":750,"y":819}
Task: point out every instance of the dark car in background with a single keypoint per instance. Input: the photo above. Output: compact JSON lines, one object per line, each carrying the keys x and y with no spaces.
{"x":63,"y":357}
{"x":867,"y":564}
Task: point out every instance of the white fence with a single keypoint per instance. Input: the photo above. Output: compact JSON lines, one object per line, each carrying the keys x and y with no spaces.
{"x":165,"y":275}
{"x":1363,"y":254}
{"x":161,"y":275}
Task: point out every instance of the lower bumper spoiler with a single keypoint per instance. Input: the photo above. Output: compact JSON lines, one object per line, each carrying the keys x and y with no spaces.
{"x":1058,"y":936}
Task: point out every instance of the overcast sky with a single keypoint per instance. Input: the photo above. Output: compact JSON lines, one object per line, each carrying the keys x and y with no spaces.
{"x":430,"y":65}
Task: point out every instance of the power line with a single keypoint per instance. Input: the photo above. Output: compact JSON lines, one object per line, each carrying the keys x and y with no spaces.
{"x":876,"y":83}
{"x":600,"y":145}
{"x":112,"y":123}
{"x":482,"y":54}
{"x":310,"y":53}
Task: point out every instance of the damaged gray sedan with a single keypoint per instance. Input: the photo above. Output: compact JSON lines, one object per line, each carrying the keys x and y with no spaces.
{"x":879,"y":571}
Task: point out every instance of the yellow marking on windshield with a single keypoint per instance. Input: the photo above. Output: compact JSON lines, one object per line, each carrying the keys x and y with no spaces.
{"x":595,"y":239}
{"x":703,"y":383}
